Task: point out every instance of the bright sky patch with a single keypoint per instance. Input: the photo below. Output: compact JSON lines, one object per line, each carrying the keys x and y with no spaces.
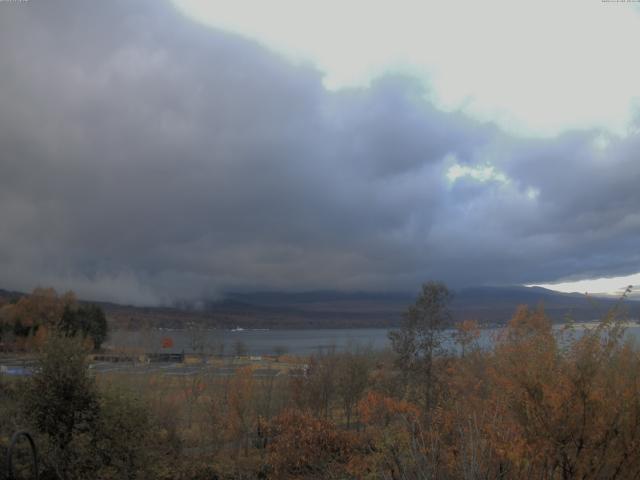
{"x":536,"y":68}
{"x":481,"y":173}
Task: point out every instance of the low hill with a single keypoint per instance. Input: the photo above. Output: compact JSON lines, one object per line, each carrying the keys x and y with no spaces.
{"x":327,"y":309}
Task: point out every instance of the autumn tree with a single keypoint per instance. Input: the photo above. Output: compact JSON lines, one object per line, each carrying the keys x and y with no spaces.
{"x":320,"y":383}
{"x":214,"y":416}
{"x":352,"y":378}
{"x":304,"y":447}
{"x":241,"y":413}
{"x":420,"y":339}
{"x":33,"y":317}
{"x":466,"y":335}
{"x":24,"y":316}
{"x":396,"y":446}
{"x":43,"y":307}
{"x":577,"y":409}
{"x":192,"y":387}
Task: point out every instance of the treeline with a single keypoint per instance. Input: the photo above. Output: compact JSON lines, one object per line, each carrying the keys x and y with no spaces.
{"x":27,"y":321}
{"x":540,"y":403}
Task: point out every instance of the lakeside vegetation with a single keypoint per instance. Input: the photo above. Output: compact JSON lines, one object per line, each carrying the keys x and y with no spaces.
{"x":27,"y":321}
{"x":539,"y":404}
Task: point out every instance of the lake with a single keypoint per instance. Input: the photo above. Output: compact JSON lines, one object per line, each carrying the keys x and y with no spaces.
{"x":265,"y":342}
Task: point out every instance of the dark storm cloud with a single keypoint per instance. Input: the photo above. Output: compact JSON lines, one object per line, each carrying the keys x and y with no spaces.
{"x":145,"y":158}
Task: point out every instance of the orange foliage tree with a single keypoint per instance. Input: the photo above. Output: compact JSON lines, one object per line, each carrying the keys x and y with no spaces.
{"x":240,"y":408}
{"x":544,"y":406}
{"x":303,"y":446}
{"x":466,"y":335}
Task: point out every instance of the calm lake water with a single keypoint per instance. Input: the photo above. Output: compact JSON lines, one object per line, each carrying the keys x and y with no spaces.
{"x":264,"y":342}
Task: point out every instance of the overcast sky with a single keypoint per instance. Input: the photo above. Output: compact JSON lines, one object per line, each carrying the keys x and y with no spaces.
{"x":153,"y":151}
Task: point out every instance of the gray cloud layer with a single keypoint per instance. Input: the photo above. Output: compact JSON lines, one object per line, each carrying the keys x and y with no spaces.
{"x":145,"y":158}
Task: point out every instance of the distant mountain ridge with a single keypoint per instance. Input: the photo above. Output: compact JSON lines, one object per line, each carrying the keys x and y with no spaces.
{"x":464,"y":295}
{"x":333,"y":309}
{"x":489,"y":305}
